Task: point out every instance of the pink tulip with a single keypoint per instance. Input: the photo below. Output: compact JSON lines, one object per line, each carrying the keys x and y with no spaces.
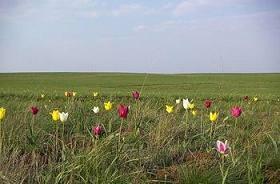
{"x":222,"y":147}
{"x":136,"y":95}
{"x":97,"y":130}
{"x":236,"y":112}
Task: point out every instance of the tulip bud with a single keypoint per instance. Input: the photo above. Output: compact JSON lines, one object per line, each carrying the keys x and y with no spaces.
{"x":136,"y":95}
{"x":207,"y":103}
{"x":34,"y":110}
{"x":97,"y":130}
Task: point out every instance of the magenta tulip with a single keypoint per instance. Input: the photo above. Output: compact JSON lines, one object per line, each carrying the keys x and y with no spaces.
{"x":97,"y":130}
{"x":136,"y":95}
{"x":236,"y":112}
{"x":123,"y":111}
{"x":34,"y":110}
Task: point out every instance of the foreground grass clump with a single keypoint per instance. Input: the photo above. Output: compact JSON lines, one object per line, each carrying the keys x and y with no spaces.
{"x":151,"y":145}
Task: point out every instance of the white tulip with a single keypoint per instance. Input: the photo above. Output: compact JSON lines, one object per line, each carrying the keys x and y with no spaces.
{"x":95,"y":110}
{"x":186,"y":103}
{"x":63,"y":116}
{"x":178,"y":101}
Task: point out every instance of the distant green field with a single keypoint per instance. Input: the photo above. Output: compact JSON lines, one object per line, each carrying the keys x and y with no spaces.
{"x":202,"y":85}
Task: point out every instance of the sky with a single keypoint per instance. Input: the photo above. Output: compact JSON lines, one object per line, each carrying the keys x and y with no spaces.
{"x":147,"y":36}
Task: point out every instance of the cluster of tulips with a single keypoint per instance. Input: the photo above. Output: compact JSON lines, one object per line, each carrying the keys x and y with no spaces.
{"x":123,"y":111}
{"x":236,"y":111}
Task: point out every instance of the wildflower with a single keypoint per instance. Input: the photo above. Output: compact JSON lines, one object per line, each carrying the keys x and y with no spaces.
{"x":2,"y":113}
{"x":169,"y":108}
{"x":63,"y":116}
{"x":123,"y":111}
{"x":42,"y":95}
{"x":222,"y":147}
{"x":136,"y":95}
{"x":97,"y":130}
{"x":178,"y":101}
{"x":34,"y":110}
{"x":186,"y":103}
{"x":108,"y":105}
{"x":55,"y":115}
{"x":67,"y":94}
{"x":246,"y":98}
{"x":207,"y":103}
{"x":70,"y":94}
{"x":95,"y":94}
{"x":95,"y":110}
{"x":191,"y":106}
{"x":236,"y":112}
{"x":194,"y":112}
{"x":255,"y":99}
{"x":213,"y":116}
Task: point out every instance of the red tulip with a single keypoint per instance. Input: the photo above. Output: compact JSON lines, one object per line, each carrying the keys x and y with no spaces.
{"x":136,"y":95}
{"x":123,"y":111}
{"x":207,"y":103}
{"x":34,"y":110}
{"x":97,"y":130}
{"x":236,"y":112}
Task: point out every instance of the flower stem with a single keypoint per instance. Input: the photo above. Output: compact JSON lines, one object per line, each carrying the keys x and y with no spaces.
{"x":211,"y":130}
{"x":56,"y":138}
{"x":120,"y":134}
{"x":1,"y":137}
{"x":235,"y":123}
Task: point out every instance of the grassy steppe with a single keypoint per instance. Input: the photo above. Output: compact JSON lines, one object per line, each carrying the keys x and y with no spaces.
{"x":151,"y":84}
{"x":151,"y":145}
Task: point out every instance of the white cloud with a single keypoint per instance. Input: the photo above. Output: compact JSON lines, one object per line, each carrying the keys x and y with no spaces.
{"x":188,"y":6}
{"x":127,"y":9}
{"x":89,"y":14}
{"x":51,"y":10}
{"x":251,"y":22}
{"x":140,"y":28}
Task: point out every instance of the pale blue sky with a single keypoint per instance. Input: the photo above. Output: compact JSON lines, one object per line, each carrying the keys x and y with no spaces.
{"x":184,"y":36}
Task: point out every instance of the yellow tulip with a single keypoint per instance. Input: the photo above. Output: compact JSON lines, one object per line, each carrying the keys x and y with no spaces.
{"x":191,"y":106}
{"x":2,"y":113}
{"x":255,"y":99}
{"x":213,"y":116}
{"x":55,"y":115}
{"x":95,"y":94}
{"x":169,"y":108}
{"x":108,"y":105}
{"x":194,"y":112}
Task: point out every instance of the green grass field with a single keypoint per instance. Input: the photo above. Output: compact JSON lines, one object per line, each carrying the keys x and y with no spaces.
{"x":150,"y":145}
{"x":207,"y":85}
